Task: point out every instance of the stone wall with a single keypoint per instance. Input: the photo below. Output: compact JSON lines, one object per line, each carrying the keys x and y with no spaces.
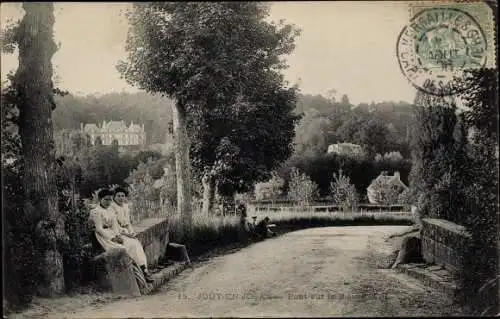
{"x":443,"y":243}
{"x":153,"y":234}
{"x":116,"y":272}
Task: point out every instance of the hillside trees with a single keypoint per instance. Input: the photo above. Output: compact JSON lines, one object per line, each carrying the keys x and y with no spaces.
{"x":141,"y":108}
{"x":380,"y":127}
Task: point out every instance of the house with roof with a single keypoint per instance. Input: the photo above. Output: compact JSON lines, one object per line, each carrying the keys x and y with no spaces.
{"x":348,"y":149}
{"x":133,"y":134}
{"x":385,"y":189}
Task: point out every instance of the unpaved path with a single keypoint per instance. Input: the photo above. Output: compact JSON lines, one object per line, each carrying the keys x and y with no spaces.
{"x":315,"y":272}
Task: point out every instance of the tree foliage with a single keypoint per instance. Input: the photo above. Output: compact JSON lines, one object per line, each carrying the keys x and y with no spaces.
{"x":343,"y":192}
{"x":439,"y":158}
{"x":480,"y":96}
{"x":379,"y":127}
{"x":21,"y":271}
{"x":221,"y":63}
{"x":272,"y":189}
{"x":11,"y":143}
{"x":182,"y":49}
{"x":301,"y":188}
{"x":455,"y":174}
{"x":360,"y":171}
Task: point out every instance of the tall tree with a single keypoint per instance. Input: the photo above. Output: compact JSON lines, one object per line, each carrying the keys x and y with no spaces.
{"x":438,"y":156}
{"x":480,"y":96}
{"x":33,"y":84}
{"x":207,"y":56}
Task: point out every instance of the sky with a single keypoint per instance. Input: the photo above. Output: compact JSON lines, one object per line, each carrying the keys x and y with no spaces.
{"x":346,"y":46}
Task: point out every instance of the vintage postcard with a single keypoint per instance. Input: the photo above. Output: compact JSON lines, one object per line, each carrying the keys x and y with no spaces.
{"x":250,"y":159}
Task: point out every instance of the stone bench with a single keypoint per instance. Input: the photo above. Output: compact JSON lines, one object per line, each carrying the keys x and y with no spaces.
{"x":115,"y":270}
{"x":444,"y":243}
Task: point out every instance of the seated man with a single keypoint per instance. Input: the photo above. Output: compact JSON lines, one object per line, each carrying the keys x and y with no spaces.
{"x":263,"y":228}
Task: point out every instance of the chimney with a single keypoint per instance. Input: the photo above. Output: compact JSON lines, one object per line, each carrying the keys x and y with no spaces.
{"x":396,"y":174}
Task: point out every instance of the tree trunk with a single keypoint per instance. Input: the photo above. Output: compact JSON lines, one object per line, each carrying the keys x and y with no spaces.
{"x":208,"y":193}
{"x":34,"y":86}
{"x":224,"y":202}
{"x":182,"y":164}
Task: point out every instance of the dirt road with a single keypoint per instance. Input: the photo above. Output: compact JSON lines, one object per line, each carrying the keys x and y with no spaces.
{"x":315,"y":272}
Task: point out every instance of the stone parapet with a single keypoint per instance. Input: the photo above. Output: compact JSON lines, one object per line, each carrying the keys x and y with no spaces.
{"x":153,"y":235}
{"x":444,"y":243}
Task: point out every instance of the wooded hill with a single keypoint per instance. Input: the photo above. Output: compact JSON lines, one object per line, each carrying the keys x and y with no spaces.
{"x":334,"y":121}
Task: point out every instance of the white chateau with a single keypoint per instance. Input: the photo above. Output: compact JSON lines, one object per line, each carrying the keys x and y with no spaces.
{"x":345,"y":149}
{"x":134,"y":134}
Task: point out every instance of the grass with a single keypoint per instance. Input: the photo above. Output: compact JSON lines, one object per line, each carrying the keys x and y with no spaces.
{"x":210,"y":232}
{"x":207,"y":232}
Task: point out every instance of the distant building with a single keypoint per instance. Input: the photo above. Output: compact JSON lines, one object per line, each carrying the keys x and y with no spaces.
{"x":346,"y":149}
{"x":132,"y":135}
{"x":385,"y":189}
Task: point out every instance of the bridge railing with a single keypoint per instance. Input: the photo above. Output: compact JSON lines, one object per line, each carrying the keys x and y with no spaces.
{"x":322,"y":207}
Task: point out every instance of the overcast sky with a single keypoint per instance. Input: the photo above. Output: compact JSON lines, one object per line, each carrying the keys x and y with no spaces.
{"x":346,"y":46}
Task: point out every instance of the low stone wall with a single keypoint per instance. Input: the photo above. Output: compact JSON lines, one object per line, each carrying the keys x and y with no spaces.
{"x":153,"y":234}
{"x":116,"y":272}
{"x":444,"y":243}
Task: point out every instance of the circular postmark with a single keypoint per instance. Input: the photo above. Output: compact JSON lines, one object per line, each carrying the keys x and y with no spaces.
{"x":437,"y":46}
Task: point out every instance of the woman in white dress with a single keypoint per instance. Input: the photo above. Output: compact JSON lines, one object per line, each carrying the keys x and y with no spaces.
{"x":109,"y":234}
{"x":122,"y":212}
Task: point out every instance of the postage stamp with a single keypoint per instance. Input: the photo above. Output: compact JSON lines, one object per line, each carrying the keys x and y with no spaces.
{"x":444,"y":39}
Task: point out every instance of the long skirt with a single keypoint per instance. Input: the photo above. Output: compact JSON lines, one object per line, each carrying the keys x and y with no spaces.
{"x":135,"y":250}
{"x":132,"y":245}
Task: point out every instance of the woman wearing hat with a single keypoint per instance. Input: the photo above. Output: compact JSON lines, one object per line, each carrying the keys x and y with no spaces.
{"x":108,"y":231}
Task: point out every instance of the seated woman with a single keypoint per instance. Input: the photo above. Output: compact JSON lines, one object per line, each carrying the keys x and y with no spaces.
{"x":122,"y":210}
{"x":109,"y":234}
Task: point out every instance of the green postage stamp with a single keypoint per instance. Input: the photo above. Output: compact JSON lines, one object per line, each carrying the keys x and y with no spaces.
{"x":442,"y":40}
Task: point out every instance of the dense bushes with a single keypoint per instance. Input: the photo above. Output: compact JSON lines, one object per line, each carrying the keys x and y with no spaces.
{"x":360,"y":171}
{"x":21,"y":272}
{"x":20,"y":259}
{"x":456,"y":176}
{"x":481,"y":96}
{"x":80,"y":250}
